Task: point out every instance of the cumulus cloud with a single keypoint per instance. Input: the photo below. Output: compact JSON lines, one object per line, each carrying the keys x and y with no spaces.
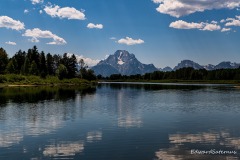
{"x":8,"y":22}
{"x":97,"y":26}
{"x":226,"y":29}
{"x":129,"y":41}
{"x":211,"y":27}
{"x":231,"y":21}
{"x":65,"y":12}
{"x":178,"y":8}
{"x":11,"y":43}
{"x":180,"y":24}
{"x":36,"y":1}
{"x":36,"y":33}
{"x":88,"y":61}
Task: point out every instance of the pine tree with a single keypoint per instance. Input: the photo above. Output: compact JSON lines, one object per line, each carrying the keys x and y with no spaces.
{"x":43,"y":67}
{"x":50,"y":64}
{"x":3,"y":60}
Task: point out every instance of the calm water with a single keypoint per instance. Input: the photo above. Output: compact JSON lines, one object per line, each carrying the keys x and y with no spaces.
{"x":120,"y":122}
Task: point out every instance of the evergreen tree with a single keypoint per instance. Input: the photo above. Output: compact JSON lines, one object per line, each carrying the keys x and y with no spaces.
{"x":19,"y":59}
{"x":3,"y":60}
{"x":33,"y":68}
{"x":43,"y":67}
{"x":11,"y":67}
{"x":50,"y":64}
{"x":70,"y":64}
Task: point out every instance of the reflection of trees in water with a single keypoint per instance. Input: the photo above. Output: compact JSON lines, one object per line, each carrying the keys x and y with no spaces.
{"x":147,"y":87}
{"x":37,"y":94}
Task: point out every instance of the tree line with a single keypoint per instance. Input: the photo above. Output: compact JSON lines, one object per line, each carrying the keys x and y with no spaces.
{"x":40,"y":64}
{"x":182,"y":74}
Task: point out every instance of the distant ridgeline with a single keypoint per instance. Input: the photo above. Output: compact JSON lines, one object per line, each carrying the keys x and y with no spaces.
{"x":37,"y":63}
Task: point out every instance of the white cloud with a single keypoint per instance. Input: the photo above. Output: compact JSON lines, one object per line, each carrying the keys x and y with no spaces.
{"x":112,"y":38}
{"x":36,"y":33}
{"x":88,"y":61}
{"x":65,"y":12}
{"x":8,"y":22}
{"x":26,"y":11}
{"x":40,"y":11}
{"x":214,"y":22}
{"x":97,"y":26}
{"x":226,"y":29}
{"x":36,"y":1}
{"x":211,"y":27}
{"x":11,"y":43}
{"x":223,"y":21}
{"x":129,"y":41}
{"x":232,"y":21}
{"x":180,"y":24}
{"x":178,"y":8}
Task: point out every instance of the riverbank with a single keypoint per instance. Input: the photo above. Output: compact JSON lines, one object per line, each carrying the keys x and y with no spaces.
{"x":15,"y":80}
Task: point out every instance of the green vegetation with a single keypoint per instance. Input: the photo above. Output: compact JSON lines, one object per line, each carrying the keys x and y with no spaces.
{"x":34,"y":68}
{"x":183,"y":75}
{"x":17,"y":79}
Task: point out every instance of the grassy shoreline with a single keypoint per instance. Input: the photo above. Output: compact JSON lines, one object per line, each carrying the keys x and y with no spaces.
{"x":15,"y":80}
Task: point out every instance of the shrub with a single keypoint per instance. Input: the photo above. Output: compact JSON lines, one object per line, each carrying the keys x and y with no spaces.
{"x":3,"y":79}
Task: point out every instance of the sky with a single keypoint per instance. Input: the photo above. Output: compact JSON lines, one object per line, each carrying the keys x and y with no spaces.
{"x":162,"y":32}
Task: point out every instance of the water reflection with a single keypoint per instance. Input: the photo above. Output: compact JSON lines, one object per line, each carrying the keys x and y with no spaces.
{"x":182,"y":144}
{"x":37,"y":94}
{"x":8,"y":139}
{"x":35,"y":111}
{"x":117,"y":122}
{"x":63,"y":149}
{"x":94,"y":136}
{"x":153,"y":86}
{"x":128,"y":112}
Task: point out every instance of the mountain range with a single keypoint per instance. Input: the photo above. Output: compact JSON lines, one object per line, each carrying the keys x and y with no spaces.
{"x":209,"y":67}
{"x":122,"y":62}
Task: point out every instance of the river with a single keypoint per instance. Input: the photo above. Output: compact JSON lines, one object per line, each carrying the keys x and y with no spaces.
{"x":120,"y":121}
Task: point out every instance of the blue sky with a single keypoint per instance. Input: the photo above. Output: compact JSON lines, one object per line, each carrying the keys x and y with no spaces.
{"x":162,"y":32}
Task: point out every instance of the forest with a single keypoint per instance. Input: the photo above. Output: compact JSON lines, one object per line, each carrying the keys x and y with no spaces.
{"x":187,"y":74}
{"x":40,"y":64}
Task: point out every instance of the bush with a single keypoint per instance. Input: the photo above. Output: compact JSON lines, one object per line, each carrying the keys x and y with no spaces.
{"x":15,"y":78}
{"x":3,"y":79}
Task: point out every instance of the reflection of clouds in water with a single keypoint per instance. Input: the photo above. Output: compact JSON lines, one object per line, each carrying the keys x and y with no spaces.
{"x":63,"y":149}
{"x":233,"y":142}
{"x":33,"y":121}
{"x":194,"y":138}
{"x":127,"y":113}
{"x":180,"y":149}
{"x":129,"y":121}
{"x":43,"y":126}
{"x":94,"y":136}
{"x":168,"y":154}
{"x":9,"y":139}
